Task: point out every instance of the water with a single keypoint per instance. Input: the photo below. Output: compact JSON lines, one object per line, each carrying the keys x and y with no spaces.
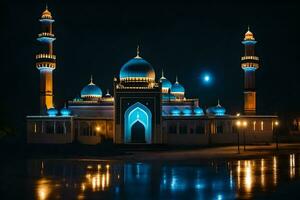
{"x":268,"y":177}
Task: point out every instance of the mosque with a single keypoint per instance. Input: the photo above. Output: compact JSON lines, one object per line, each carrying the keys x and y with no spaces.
{"x":142,"y":108}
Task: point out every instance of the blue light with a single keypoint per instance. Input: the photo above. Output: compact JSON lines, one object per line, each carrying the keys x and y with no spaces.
{"x":187,"y":111}
{"x":65,"y":112}
{"x":138,"y":113}
{"x":175,"y":111}
{"x":206,"y":78}
{"x":52,"y":112}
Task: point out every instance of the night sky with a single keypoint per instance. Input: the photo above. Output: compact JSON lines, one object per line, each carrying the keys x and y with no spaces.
{"x":184,"y":39}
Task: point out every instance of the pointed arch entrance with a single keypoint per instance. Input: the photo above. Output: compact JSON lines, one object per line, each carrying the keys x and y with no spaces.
{"x":138,"y":124}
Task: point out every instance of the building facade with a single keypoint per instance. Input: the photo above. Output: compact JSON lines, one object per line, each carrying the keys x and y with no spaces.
{"x":142,"y":108}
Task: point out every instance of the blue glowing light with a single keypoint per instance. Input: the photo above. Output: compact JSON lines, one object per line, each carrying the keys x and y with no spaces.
{"x":65,"y":112}
{"x":138,"y":113}
{"x":52,"y":112}
{"x":206,"y":78}
{"x":198,"y":111}
{"x":175,"y":111}
{"x":187,"y":111}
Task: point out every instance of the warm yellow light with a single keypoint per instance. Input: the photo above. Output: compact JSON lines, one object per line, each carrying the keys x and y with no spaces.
{"x":97,"y":128}
{"x":245,"y":123}
{"x":276,"y":123}
{"x":107,"y":166}
{"x":238,"y":123}
{"x":238,"y":114}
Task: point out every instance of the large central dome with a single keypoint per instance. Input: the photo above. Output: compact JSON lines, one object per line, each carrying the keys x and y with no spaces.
{"x":137,"y":69}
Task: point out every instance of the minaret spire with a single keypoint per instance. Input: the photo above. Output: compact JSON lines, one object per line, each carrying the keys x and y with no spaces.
{"x":138,"y":52}
{"x":162,"y":73}
{"x":176,"y":79}
{"x":91,"y":80}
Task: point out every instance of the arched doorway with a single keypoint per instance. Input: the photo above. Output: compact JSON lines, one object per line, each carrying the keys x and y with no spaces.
{"x":138,"y":124}
{"x":138,"y":133}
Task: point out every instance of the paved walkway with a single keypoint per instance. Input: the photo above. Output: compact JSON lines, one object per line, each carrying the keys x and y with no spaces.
{"x":229,"y":152}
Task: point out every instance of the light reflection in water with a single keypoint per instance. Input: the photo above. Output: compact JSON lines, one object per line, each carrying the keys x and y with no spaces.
{"x":43,"y":188}
{"x":248,"y":176}
{"x":262,"y":172}
{"x":292,"y":165}
{"x":221,"y":180}
{"x":274,"y":170}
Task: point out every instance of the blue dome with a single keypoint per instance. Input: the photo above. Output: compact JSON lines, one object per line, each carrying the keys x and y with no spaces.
{"x":91,"y":90}
{"x":65,"y":111}
{"x":177,"y":88}
{"x":175,"y":111}
{"x":52,"y":112}
{"x":216,"y":110}
{"x":167,"y":97}
{"x":137,"y":67}
{"x":165,"y":83}
{"x":198,"y":111}
{"x":187,"y":111}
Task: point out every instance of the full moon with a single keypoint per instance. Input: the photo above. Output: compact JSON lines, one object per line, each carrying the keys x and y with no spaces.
{"x":206,"y":78}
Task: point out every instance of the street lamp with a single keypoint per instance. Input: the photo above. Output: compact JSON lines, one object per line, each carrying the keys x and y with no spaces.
{"x":238,"y":124}
{"x":241,"y":124}
{"x":245,"y":124}
{"x":276,"y":133}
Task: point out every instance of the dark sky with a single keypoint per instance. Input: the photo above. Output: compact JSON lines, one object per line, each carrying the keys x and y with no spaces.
{"x":183,"y":38}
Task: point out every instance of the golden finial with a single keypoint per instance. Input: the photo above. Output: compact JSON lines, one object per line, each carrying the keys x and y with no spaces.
{"x":176,"y":79}
{"x":249,"y":35}
{"x":162,"y":73}
{"x":91,"y":83}
{"x":138,"y":52}
{"x":107,"y":91}
{"x":219,"y":102}
{"x":46,"y":14}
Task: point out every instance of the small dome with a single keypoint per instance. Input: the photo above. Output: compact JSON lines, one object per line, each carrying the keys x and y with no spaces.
{"x":249,"y":35}
{"x":91,"y":91}
{"x":177,"y":88}
{"x":52,"y":112}
{"x":187,"y":111}
{"x":46,"y":14}
{"x":216,"y":110}
{"x":107,"y":95}
{"x":198,"y":111}
{"x":175,"y":111}
{"x":167,"y":97}
{"x":65,"y":111}
{"x":137,"y":68}
{"x":77,"y":99}
{"x":165,"y":83}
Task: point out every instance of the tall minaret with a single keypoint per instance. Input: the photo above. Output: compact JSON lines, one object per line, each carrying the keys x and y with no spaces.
{"x":249,"y":64}
{"x":46,"y":61}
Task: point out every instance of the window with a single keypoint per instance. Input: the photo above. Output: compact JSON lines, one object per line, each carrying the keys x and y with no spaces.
{"x":60,"y":128}
{"x":173,"y":129}
{"x":254,"y":125}
{"x":219,"y":128}
{"x":191,"y":130}
{"x":200,"y":129}
{"x":262,"y":126}
{"x":84,"y":129}
{"x":34,"y":128}
{"x":183,"y":129}
{"x":49,"y":127}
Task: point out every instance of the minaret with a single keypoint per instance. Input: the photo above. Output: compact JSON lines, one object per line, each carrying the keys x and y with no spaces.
{"x":249,"y":63}
{"x":46,"y":61}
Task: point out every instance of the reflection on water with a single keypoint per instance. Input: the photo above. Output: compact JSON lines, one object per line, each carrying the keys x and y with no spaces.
{"x":87,"y":179}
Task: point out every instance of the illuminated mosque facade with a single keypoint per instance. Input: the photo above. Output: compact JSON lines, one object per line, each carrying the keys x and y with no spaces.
{"x":142,"y":108}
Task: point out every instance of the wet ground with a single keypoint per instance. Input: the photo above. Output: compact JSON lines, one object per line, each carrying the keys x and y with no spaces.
{"x":266,"y":176}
